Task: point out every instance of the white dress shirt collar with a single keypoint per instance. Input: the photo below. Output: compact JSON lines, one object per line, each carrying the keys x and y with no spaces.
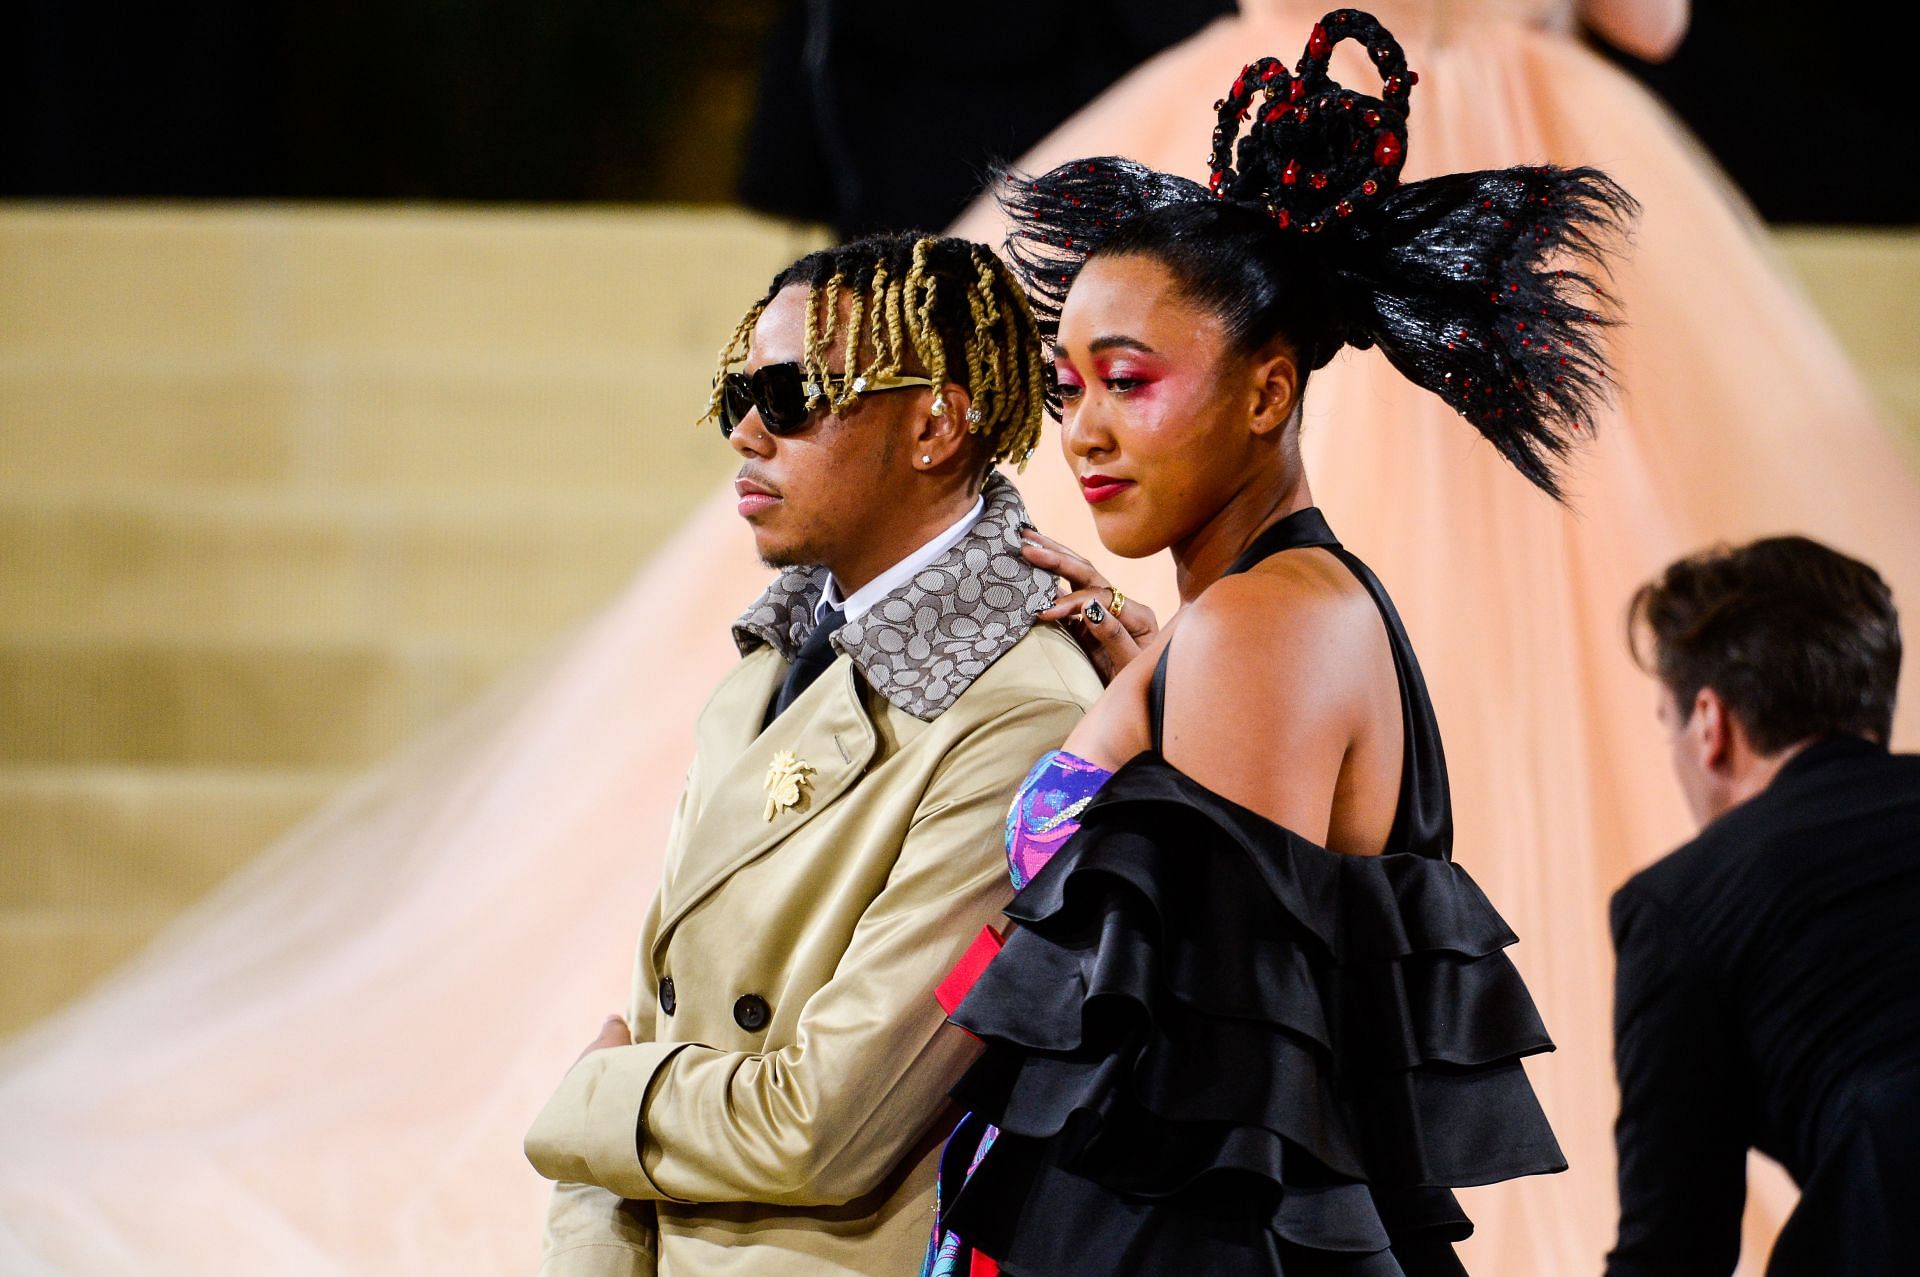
{"x":899,"y":574}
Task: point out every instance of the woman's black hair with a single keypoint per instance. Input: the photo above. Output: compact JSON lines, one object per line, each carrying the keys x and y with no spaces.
{"x":1481,"y":287}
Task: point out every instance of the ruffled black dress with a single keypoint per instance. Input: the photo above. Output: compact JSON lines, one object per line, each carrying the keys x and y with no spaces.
{"x":1214,"y":1047}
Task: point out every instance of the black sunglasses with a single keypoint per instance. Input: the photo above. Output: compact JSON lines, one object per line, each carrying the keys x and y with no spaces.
{"x":785,"y":397}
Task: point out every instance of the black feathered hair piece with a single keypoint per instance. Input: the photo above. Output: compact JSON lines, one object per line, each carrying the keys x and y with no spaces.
{"x":1484,"y":288}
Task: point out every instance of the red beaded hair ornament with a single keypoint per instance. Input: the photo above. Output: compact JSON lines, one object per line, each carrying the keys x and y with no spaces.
{"x":1339,"y":147}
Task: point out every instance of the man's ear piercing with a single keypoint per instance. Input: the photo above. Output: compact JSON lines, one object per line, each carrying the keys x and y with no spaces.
{"x":939,"y":408}
{"x":926,"y":459}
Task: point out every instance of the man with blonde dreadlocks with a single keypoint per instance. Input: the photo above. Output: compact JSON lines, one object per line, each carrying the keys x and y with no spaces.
{"x":773,"y":1100}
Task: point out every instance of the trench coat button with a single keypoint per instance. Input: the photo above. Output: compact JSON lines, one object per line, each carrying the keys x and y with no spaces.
{"x":751,"y":1012}
{"x":667,"y":1000}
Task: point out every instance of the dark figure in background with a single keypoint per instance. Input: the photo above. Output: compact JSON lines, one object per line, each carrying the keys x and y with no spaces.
{"x":849,"y":88}
{"x":1730,"y":43}
{"x":1768,"y":989}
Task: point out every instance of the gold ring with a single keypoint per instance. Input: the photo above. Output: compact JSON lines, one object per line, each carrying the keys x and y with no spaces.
{"x":1119,"y":601}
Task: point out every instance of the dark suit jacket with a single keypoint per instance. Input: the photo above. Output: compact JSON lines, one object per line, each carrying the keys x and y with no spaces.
{"x":1768,"y":996}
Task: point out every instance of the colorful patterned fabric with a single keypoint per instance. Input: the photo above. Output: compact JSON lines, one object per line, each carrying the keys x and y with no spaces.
{"x":1045,"y":813}
{"x":1046,"y":810}
{"x":947,"y":1254}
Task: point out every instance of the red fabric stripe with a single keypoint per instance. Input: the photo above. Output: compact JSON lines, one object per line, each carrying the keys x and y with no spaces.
{"x":954,"y":988}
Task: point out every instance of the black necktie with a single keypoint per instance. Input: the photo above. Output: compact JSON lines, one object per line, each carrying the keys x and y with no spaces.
{"x":808,"y":663}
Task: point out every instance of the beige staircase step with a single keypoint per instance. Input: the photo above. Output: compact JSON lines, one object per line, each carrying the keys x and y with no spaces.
{"x":321,"y":567}
{"x":95,"y":426}
{"x":515,"y":430}
{"x":1899,"y":390}
{"x":92,"y":278}
{"x":1867,"y":284}
{"x":297,"y":705}
{"x":572,"y":284}
{"x":498,"y":426}
{"x":90,"y":836}
{"x":52,"y":955}
{"x":265,"y":280}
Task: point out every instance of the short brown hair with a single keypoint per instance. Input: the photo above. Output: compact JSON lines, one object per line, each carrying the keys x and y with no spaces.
{"x":1799,"y":640}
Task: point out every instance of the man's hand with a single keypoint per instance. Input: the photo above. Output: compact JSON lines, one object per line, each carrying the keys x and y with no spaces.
{"x":614,"y":1032}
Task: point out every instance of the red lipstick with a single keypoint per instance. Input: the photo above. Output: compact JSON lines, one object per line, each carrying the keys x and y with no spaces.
{"x":1099,"y":487}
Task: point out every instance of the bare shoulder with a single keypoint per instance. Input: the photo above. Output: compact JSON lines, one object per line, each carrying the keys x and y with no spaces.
{"x":1278,"y":681}
{"x":1286,"y":633}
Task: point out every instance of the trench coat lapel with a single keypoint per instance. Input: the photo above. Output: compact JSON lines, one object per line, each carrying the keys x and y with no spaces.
{"x":827,"y":728}
{"x":731,"y":723}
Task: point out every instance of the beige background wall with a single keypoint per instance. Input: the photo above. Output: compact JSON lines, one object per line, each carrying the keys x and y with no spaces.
{"x":279,"y":486}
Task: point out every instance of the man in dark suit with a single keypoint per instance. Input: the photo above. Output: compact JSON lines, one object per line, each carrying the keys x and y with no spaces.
{"x":1768,"y":987}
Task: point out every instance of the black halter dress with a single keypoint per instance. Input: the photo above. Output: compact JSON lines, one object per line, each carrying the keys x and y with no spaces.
{"x":1214,"y":1047}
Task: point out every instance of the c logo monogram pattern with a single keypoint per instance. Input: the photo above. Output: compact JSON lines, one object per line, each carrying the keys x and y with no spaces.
{"x":924,"y":644}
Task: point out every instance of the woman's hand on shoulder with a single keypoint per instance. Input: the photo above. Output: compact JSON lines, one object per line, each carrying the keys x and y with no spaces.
{"x":1267,"y":684}
{"x":1110,"y":627}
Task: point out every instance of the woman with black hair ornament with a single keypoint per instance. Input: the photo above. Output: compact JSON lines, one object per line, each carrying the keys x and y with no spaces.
{"x":1252,"y":1018}
{"x":1736,"y":415}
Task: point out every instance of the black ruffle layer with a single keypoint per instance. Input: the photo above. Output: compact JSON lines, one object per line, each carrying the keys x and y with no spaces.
{"x":1213,"y":1046}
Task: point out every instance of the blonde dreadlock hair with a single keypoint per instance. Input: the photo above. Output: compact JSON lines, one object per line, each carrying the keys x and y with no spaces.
{"x":918,"y":304}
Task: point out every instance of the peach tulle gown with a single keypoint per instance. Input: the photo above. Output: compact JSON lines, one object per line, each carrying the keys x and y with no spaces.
{"x":327,"y":1067}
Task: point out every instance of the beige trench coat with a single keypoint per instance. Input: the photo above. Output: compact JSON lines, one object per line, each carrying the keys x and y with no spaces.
{"x":791,"y":1088}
